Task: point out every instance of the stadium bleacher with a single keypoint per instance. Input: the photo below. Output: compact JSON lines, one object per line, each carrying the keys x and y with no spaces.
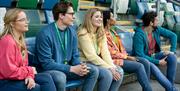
{"x":40,"y":14}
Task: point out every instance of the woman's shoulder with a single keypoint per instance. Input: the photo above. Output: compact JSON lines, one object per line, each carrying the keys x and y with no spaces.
{"x":7,"y":40}
{"x":81,"y":32}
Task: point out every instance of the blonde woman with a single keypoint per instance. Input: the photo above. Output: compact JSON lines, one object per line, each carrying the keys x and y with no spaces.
{"x":15,"y":74}
{"x":93,"y":49}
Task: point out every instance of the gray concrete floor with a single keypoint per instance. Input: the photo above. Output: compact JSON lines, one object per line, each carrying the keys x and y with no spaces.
{"x":135,"y":86}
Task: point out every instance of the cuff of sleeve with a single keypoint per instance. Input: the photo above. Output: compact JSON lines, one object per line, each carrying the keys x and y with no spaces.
{"x":67,"y":67}
{"x":156,"y":61}
{"x":30,"y":73}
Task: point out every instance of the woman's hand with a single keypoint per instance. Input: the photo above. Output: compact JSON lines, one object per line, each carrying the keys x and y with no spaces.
{"x":30,"y":83}
{"x":115,"y":73}
{"x":131,"y":58}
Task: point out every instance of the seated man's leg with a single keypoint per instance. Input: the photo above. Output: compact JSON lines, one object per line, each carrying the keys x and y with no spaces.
{"x":116,"y":84}
{"x":138,"y":68}
{"x":16,"y":85}
{"x":45,"y":81}
{"x":161,"y":78}
{"x":105,"y":79}
{"x":146,"y":64}
{"x":89,"y":80}
{"x":59,"y":79}
{"x":171,"y":67}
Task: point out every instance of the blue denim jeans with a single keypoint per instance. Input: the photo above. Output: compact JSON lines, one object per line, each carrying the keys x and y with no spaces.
{"x":166,"y":81}
{"x":146,"y":65}
{"x":60,"y":78}
{"x":44,"y":82}
{"x":106,"y":82}
{"x":141,"y":69}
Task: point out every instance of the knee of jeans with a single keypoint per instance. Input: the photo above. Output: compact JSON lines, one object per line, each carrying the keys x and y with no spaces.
{"x":59,"y":78}
{"x":93,"y":70}
{"x":106,"y":75}
{"x":171,"y":57}
{"x":37,"y":88}
{"x":47,"y":78}
{"x":140,"y":66}
{"x":144,"y":61}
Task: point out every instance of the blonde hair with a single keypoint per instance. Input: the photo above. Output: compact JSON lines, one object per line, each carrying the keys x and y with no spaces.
{"x":10,"y":17}
{"x":87,"y":25}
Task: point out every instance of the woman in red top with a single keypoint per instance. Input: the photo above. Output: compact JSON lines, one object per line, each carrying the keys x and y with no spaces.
{"x":15,"y":74}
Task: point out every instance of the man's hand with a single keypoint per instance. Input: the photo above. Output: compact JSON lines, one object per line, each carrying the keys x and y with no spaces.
{"x":80,"y":69}
{"x":30,"y":83}
{"x":162,"y":62}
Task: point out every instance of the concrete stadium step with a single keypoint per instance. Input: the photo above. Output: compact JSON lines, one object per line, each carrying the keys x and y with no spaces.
{"x":135,"y":86}
{"x":85,"y":4}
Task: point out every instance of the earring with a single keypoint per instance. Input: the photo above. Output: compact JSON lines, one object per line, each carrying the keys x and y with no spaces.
{"x":151,"y":23}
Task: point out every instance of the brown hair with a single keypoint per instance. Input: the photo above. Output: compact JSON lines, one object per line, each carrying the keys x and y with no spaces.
{"x":61,"y":7}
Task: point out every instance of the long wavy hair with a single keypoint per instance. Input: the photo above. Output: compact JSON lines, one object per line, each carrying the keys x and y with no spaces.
{"x":87,"y":25}
{"x":10,"y":17}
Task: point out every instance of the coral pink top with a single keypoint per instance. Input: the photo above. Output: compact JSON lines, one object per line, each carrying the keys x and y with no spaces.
{"x":12,"y":64}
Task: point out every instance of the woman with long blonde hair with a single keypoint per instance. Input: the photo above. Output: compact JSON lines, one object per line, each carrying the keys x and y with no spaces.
{"x":94,"y":50}
{"x":15,"y":74}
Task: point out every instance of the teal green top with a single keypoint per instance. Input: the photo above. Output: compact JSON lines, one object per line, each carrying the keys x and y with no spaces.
{"x":140,"y":42}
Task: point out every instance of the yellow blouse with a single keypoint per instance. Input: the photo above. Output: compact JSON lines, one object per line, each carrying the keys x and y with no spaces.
{"x":91,"y":52}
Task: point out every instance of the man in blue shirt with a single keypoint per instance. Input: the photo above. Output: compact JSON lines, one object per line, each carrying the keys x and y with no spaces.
{"x":57,"y":50}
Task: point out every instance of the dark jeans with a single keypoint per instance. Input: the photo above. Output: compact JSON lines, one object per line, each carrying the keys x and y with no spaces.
{"x":141,"y":69}
{"x":44,"y":82}
{"x":60,"y":78}
{"x":166,"y":81}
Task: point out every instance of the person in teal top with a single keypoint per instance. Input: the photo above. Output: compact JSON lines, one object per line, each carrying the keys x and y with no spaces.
{"x":147,"y":44}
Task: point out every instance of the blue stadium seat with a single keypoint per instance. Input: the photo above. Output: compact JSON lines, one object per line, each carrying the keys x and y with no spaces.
{"x":127,"y":41}
{"x":48,"y":16}
{"x":30,"y":43}
{"x":5,"y":3}
{"x":79,"y":17}
{"x":33,"y":16}
{"x":142,"y":8}
{"x":74,"y":84}
{"x":48,"y":4}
